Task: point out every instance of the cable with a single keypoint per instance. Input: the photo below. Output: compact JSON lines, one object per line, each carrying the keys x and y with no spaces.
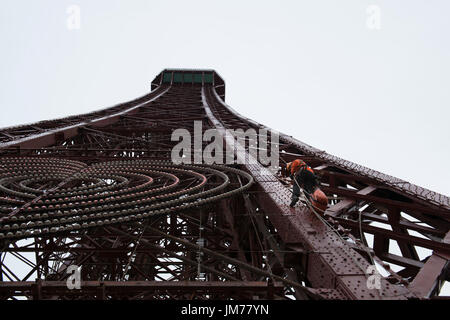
{"x":363,"y":247}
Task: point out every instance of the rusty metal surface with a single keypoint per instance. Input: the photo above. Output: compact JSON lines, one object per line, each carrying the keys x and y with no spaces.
{"x":331,"y":261}
{"x":423,"y":201}
{"x":45,"y":133}
{"x":98,"y":190}
{"x":62,"y":209}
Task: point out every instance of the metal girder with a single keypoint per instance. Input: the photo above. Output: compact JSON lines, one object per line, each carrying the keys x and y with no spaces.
{"x":82,"y":189}
{"x":332,"y":263}
{"x":102,"y":289}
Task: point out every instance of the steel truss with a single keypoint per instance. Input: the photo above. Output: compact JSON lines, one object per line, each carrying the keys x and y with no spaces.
{"x":99,"y":191}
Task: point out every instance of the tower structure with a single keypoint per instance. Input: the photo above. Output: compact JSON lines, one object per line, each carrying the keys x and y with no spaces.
{"x":99,"y":193}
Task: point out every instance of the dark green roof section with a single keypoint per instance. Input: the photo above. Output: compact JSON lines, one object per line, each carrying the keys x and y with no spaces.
{"x":178,"y":77}
{"x":167,"y":78}
{"x":208,"y":78}
{"x":188,"y":78}
{"x":198,"y":78}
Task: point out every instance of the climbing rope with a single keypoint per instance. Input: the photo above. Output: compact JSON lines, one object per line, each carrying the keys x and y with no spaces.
{"x":357,"y":243}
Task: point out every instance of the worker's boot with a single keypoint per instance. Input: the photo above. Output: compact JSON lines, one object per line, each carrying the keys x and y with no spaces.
{"x":293,"y":201}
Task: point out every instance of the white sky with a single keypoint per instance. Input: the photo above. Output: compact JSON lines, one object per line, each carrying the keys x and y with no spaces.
{"x":311,"y":69}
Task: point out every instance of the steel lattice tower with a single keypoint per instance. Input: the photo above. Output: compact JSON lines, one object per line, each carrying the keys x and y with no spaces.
{"x":99,"y":191}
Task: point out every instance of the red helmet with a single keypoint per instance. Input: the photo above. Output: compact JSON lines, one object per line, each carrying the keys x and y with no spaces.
{"x":295,"y":165}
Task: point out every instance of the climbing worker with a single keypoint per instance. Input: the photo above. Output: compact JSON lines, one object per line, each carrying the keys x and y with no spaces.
{"x":305,"y":178}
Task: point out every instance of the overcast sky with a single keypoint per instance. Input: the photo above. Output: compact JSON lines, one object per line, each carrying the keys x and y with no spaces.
{"x":320,"y":71}
{"x":311,"y":69}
